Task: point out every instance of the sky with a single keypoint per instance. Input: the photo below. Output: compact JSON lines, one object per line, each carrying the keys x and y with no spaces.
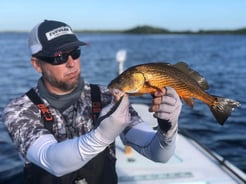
{"x":174,"y":15}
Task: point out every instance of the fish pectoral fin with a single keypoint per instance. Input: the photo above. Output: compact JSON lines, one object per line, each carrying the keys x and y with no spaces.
{"x":151,"y":86}
{"x":189,"y":101}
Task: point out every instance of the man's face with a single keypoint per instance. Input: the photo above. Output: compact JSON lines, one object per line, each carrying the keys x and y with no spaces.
{"x":62,"y":78}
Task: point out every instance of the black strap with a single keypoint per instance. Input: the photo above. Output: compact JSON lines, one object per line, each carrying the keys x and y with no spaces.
{"x":96,"y":102}
{"x":45,"y":112}
{"x":48,"y":117}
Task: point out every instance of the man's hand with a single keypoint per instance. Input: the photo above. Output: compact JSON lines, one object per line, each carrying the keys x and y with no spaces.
{"x":167,"y":107}
{"x":114,"y":118}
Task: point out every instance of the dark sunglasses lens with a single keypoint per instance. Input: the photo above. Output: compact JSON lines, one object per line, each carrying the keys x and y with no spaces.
{"x":75,"y":54}
{"x":58,"y":60}
{"x":61,"y":59}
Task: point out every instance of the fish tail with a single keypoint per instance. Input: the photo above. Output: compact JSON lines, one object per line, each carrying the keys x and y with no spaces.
{"x":222,"y":108}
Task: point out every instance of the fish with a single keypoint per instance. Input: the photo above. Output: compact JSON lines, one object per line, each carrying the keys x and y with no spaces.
{"x":189,"y":84}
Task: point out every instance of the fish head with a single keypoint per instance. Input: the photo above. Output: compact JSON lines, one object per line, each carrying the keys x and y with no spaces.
{"x":128,"y":82}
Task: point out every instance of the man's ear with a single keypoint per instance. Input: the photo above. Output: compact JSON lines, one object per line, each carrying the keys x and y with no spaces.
{"x":36,"y":64}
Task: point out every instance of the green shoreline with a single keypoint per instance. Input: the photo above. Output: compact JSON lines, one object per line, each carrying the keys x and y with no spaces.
{"x":155,"y":30}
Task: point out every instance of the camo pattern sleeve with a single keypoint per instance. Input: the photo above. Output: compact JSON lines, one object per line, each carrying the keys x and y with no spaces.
{"x":23,"y":121}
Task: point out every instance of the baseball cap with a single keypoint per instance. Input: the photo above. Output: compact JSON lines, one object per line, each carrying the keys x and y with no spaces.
{"x":49,"y":37}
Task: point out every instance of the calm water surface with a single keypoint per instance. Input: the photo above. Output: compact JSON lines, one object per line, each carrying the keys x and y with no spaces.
{"x":221,"y":59}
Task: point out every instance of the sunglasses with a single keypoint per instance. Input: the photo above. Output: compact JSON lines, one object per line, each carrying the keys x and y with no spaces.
{"x":61,"y":58}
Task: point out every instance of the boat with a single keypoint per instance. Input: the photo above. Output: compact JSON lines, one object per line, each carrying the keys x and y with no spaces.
{"x":192,"y":163}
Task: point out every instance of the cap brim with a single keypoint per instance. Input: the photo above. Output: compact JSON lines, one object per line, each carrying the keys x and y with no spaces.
{"x":71,"y":45}
{"x":64,"y":47}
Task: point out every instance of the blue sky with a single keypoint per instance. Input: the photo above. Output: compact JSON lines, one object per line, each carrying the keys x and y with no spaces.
{"x":124,"y":14}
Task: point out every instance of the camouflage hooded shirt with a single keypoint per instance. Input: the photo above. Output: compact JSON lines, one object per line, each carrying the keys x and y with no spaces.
{"x":24,"y":122}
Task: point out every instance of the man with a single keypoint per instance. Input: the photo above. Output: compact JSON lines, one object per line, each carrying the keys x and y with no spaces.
{"x":55,"y":128}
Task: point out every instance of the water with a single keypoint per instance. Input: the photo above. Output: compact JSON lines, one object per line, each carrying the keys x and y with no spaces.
{"x":221,"y":59}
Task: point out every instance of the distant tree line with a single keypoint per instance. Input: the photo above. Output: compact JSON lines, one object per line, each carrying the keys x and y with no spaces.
{"x":154,"y":30}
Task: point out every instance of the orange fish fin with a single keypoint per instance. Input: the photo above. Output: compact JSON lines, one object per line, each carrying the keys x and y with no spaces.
{"x":189,"y":101}
{"x":153,"y":87}
{"x":222,"y":108}
{"x":184,"y":67}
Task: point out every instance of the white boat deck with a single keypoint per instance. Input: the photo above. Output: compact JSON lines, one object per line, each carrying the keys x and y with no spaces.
{"x":191,"y":164}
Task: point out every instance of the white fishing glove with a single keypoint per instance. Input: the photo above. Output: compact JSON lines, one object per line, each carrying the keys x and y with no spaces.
{"x":169,"y":110}
{"x":114,"y":118}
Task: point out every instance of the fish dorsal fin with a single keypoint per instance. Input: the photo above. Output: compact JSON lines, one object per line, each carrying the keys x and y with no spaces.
{"x":201,"y":81}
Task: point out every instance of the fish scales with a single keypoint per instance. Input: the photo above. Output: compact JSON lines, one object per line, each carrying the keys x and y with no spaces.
{"x":189,"y":84}
{"x":162,"y":75}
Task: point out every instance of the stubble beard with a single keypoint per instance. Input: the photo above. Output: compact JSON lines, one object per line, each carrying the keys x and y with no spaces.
{"x":62,"y":85}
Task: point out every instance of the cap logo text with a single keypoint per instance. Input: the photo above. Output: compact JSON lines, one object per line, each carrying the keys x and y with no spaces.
{"x":60,"y":31}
